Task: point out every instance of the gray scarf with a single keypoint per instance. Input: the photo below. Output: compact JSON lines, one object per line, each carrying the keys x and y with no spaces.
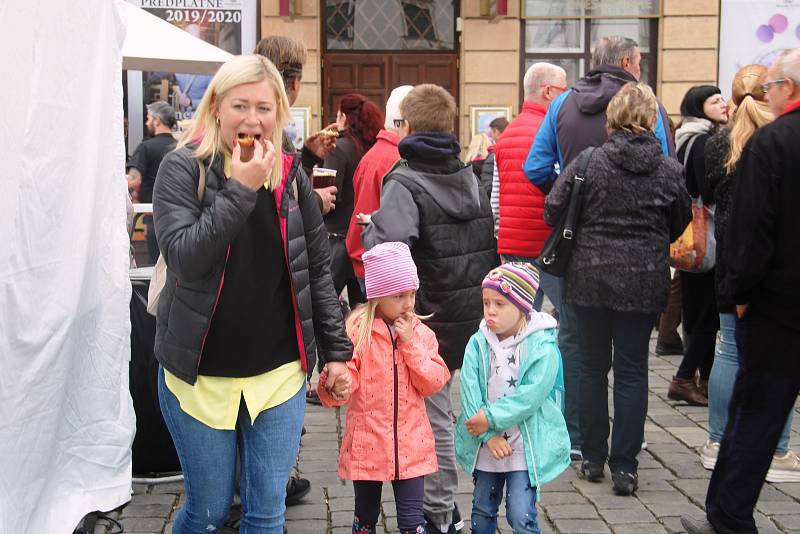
{"x":691,"y":127}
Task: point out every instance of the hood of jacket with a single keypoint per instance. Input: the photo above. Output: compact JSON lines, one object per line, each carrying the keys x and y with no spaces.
{"x":636,"y":153}
{"x":451,"y":183}
{"x":593,"y":92}
{"x":690,"y":127}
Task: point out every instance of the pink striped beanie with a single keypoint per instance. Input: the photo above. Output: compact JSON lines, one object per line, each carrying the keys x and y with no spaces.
{"x":389,"y":270}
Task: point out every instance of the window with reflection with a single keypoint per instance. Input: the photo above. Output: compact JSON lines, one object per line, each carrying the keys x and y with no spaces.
{"x":563,"y":32}
{"x":388,"y":25}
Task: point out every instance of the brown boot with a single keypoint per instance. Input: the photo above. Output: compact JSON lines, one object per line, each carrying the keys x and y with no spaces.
{"x":684,"y":389}
{"x":702,"y":387}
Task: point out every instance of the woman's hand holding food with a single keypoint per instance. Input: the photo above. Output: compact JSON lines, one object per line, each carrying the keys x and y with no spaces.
{"x":255,"y":172}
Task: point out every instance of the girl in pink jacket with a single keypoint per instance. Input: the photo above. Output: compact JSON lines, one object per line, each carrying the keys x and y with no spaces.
{"x":395,"y":365}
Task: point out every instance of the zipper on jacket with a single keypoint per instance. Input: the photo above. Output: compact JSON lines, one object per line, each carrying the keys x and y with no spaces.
{"x":396,"y":407}
{"x":486,"y":376}
{"x":214,"y":309}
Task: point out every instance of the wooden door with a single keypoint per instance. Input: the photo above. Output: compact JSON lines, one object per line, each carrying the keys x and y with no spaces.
{"x":374,"y":75}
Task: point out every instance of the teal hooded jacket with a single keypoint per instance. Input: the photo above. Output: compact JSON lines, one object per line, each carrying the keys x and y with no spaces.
{"x":535,"y":407}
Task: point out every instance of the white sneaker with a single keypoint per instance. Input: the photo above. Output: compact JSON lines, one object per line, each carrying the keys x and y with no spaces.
{"x":784,"y":468}
{"x":708,"y":454}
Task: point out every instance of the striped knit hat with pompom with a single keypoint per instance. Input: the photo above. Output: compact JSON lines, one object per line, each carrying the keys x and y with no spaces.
{"x":516,"y":281}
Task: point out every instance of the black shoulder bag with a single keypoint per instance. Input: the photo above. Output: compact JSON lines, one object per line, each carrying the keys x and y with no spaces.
{"x":557,"y":250}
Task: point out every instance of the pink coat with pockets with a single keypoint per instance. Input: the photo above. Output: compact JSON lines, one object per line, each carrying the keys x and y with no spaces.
{"x":387,"y":434}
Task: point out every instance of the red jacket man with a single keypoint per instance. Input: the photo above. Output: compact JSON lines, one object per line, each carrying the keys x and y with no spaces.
{"x":522,"y":231}
{"x":368,"y":176}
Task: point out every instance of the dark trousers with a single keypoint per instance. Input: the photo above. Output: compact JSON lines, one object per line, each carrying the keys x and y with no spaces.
{"x":408,"y":495}
{"x":671,"y":317}
{"x":766,"y":389}
{"x":700,"y":324}
{"x":152,"y":243}
{"x":342,"y":271}
{"x":628,"y":333}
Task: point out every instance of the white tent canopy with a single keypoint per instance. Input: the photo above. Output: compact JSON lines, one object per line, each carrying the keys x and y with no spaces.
{"x":153,"y":44}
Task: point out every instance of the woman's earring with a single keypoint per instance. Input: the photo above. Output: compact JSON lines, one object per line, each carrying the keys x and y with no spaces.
{"x":217,"y":119}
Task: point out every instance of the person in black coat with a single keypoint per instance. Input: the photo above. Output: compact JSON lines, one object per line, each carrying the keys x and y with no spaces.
{"x":703,"y":110}
{"x":762,"y":252}
{"x":634,"y":205}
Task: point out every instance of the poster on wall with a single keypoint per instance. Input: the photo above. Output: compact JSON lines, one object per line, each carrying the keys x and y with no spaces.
{"x":755,"y":31}
{"x":227,"y":24}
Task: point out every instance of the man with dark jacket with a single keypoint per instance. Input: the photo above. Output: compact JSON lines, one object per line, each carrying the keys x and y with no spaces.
{"x":762,"y":253}
{"x":143,"y":165}
{"x":432,"y":202}
{"x":575,"y":121}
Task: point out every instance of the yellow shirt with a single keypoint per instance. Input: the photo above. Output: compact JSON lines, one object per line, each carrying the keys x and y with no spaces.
{"x":214,"y":400}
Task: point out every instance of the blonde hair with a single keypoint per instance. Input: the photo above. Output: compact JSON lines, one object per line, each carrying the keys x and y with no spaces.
{"x":359,"y":323}
{"x":633,"y":109}
{"x":205,"y":130}
{"x":752,"y":111}
{"x":478,"y":147}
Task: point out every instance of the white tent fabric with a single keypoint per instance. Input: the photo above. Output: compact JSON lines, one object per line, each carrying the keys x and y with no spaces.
{"x":66,"y":417}
{"x":156,"y":45}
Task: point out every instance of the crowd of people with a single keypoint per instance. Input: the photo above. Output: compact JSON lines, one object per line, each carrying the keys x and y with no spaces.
{"x":418,"y":263}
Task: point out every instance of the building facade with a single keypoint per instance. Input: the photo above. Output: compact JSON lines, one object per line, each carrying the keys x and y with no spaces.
{"x":479,"y":49}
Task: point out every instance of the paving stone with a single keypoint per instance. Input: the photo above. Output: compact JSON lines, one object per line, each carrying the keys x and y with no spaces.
{"x":307,"y":511}
{"x":307,"y":527}
{"x":648,"y":528}
{"x":154,"y":498}
{"x":143,"y":524}
{"x":561,"y":497}
{"x":582,"y":526}
{"x":626,"y":515}
{"x":674,"y":509}
{"x":778,"y":507}
{"x":571,"y":511}
{"x":341,"y":519}
{"x":787,"y":521}
{"x":147,"y":510}
{"x":609,"y":501}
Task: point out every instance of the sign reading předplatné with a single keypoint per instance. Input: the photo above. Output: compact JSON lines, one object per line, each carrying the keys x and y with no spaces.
{"x":218,"y":22}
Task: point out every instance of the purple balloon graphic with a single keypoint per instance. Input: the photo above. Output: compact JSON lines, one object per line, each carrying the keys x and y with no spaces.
{"x":764,"y":33}
{"x":779,"y":23}
{"x":797,"y":31}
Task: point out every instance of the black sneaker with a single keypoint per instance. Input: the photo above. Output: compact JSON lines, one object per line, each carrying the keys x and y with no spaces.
{"x":458,"y":523}
{"x":669,"y":349}
{"x":625,"y":483}
{"x":433,"y":528}
{"x":593,"y":472}
{"x":313,"y":398}
{"x":296,"y":489}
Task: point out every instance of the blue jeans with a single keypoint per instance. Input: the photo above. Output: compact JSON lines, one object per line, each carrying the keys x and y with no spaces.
{"x":267,"y":449}
{"x":722,"y":379}
{"x":520,"y":502}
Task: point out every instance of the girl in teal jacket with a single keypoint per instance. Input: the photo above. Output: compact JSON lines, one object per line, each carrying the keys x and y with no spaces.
{"x":511,"y":431}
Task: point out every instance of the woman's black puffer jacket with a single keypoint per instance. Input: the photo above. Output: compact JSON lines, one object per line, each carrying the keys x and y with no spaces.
{"x":194,"y":242}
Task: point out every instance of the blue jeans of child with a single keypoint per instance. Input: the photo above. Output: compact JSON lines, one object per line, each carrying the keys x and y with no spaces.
{"x":722,"y":379}
{"x":520,"y":502}
{"x":267,"y":449}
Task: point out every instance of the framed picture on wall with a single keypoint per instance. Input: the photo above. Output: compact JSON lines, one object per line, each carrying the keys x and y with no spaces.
{"x":299,"y":125}
{"x":482,"y":116}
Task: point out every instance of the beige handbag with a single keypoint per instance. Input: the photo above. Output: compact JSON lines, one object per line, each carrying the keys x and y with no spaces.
{"x":160,"y":270}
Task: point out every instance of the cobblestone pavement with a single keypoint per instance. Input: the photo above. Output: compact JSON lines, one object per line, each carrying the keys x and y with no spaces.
{"x":672,"y":482}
